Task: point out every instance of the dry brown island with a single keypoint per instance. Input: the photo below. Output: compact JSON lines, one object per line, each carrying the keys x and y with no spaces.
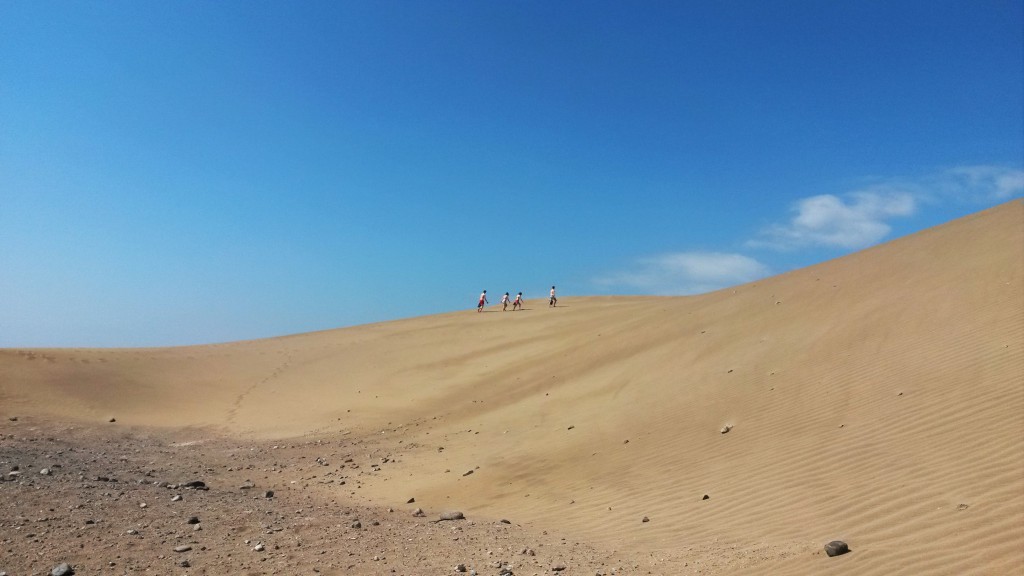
{"x":876,"y":399}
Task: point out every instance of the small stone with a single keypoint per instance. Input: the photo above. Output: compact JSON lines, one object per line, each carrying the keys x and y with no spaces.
{"x":112,"y":419}
{"x":182,"y":548}
{"x":504,"y":521}
{"x":453,"y":515}
{"x":357,"y":524}
{"x":558,"y":567}
{"x":184,"y":564}
{"x":418,"y":513}
{"x":706,"y":497}
{"x":268,"y":494}
{"x":63,"y":569}
{"x":176,"y":498}
{"x":467,"y":473}
{"x":460,"y":567}
{"x":193,"y":520}
{"x":45,"y":471}
{"x":259,"y":548}
{"x":646,"y":519}
{"x":143,"y":505}
{"x":836,"y":548}
{"x":962,"y":507}
{"x":410,"y":500}
{"x":726,"y":428}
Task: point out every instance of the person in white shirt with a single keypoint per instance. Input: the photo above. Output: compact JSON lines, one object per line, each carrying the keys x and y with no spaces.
{"x":483,"y":300}
{"x":504,"y":302}
{"x":553,"y":301}
{"x":518,"y":303}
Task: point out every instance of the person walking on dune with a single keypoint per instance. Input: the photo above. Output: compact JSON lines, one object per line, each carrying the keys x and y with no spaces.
{"x":504,"y":302}
{"x":483,"y":300}
{"x":518,"y":302}
{"x":554,"y":300}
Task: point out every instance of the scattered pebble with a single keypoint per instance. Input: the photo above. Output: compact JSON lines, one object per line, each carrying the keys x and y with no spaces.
{"x":452,"y":515}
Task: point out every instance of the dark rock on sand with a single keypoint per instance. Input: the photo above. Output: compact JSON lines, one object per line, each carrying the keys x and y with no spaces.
{"x":836,"y":548}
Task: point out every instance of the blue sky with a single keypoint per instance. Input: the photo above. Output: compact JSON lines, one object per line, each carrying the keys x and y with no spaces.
{"x":191,"y":172}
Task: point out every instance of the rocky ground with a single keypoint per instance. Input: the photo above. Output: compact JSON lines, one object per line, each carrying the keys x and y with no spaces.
{"x":110,"y":500}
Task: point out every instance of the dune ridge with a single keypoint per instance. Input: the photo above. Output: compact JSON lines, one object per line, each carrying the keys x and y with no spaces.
{"x":877,"y":398}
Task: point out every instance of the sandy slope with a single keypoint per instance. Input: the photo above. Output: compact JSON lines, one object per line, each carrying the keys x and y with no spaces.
{"x":878,"y":399}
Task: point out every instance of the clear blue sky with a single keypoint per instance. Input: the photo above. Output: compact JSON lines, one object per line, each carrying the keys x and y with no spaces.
{"x":180,"y":172}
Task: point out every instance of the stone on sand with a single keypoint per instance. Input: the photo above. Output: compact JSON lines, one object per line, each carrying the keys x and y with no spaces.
{"x":836,"y":548}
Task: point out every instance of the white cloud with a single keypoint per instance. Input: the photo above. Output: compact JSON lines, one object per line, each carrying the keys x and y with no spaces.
{"x":982,"y":183}
{"x":861,"y":218}
{"x":687,"y":273}
{"x":858,"y":220}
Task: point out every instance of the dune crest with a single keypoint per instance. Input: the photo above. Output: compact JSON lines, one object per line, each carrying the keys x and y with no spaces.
{"x":876,"y":399}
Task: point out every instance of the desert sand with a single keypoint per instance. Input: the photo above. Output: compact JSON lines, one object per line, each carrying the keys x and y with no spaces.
{"x":876,"y":399}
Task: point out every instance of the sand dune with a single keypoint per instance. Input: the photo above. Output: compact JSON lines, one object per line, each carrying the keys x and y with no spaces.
{"x":877,"y":399}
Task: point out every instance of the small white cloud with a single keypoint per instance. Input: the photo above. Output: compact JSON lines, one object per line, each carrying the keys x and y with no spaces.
{"x":855,"y":222}
{"x":860,"y":219}
{"x":982,"y":183}
{"x":687,"y":273}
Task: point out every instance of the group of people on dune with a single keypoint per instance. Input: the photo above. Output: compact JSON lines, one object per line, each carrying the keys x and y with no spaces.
{"x":517,"y":304}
